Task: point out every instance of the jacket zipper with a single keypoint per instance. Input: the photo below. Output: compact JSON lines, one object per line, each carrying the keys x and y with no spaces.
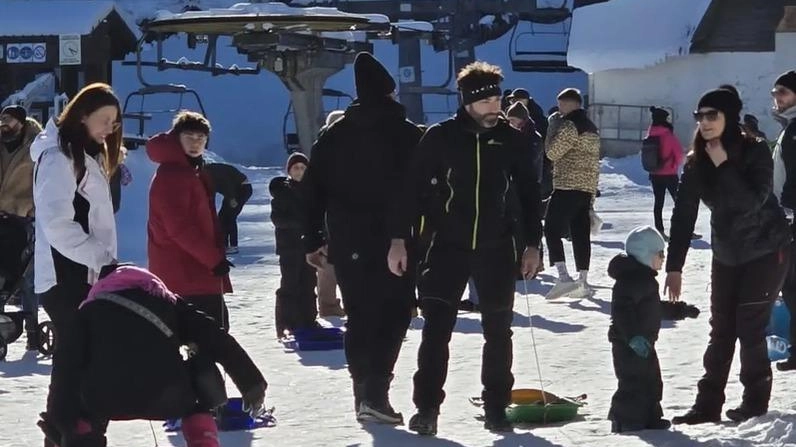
{"x":477,"y":187}
{"x":450,"y":189}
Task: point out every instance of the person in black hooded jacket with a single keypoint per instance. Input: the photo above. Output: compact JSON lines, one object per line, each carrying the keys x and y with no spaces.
{"x":355,"y":174}
{"x":473,"y":179}
{"x":635,"y":323}
{"x":295,"y":298}
{"x":732,"y":174}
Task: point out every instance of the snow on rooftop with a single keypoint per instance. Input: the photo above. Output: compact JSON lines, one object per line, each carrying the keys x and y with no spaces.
{"x":632,"y":33}
{"x":55,"y":17}
{"x":268,"y":9}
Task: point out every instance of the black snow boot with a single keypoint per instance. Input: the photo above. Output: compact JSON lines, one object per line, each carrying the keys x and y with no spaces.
{"x":660,"y":424}
{"x":375,"y":405}
{"x":695,"y":416}
{"x":32,"y":343}
{"x":787,"y":365}
{"x":424,"y":423}
{"x":495,"y":420}
{"x":744,"y":413}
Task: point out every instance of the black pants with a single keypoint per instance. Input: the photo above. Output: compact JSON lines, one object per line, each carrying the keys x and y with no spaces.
{"x":637,"y":400}
{"x":295,"y":298}
{"x":212,"y":305}
{"x":789,"y":296}
{"x":740,"y":307}
{"x":443,"y":276}
{"x":61,"y":302}
{"x":378,"y":305}
{"x":569,"y":209}
{"x":228,"y":214}
{"x":661,"y":184}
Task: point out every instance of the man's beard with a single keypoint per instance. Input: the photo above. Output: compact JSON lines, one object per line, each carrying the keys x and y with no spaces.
{"x":7,"y":134}
{"x":488,"y":120}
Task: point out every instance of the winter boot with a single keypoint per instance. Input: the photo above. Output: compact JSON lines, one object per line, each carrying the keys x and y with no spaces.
{"x":563,"y":287}
{"x":744,"y":413}
{"x":200,"y":430}
{"x":331,"y":310}
{"x":695,"y":416}
{"x":660,"y":424}
{"x":376,"y":404}
{"x":495,"y":420}
{"x":424,"y":422}
{"x":787,"y":365}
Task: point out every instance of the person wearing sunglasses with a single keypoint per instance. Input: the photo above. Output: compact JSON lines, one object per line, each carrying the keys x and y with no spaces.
{"x":731,"y":173}
{"x":784,"y":97}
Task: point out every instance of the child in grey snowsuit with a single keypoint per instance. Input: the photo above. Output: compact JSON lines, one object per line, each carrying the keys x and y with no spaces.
{"x":635,"y":323}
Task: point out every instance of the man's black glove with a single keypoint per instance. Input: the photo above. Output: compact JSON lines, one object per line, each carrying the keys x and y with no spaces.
{"x":222,"y":269}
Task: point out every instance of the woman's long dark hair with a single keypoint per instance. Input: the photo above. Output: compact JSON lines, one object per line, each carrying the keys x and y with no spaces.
{"x":73,"y":134}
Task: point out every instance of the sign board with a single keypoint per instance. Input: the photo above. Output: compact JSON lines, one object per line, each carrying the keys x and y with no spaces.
{"x":69,"y":51}
{"x":26,"y":53}
{"x":407,"y":74}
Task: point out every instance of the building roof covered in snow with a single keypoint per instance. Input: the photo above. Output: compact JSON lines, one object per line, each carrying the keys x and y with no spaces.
{"x":56,"y":17}
{"x":632,"y":33}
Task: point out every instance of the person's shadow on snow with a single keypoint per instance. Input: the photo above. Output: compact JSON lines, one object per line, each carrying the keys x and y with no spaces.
{"x":522,"y":439}
{"x":333,"y":359}
{"x":27,"y":365}
{"x":668,"y":437}
{"x":389,"y":436}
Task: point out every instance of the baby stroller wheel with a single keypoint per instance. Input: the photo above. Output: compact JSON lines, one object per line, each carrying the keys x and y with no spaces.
{"x":3,"y":349}
{"x":46,"y":338}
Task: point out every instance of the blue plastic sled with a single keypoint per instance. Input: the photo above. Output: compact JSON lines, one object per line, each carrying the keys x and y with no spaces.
{"x":778,"y":332}
{"x":321,"y":339}
{"x":231,"y":417}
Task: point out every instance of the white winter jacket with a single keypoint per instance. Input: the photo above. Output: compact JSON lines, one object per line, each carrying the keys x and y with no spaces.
{"x":64,"y":251}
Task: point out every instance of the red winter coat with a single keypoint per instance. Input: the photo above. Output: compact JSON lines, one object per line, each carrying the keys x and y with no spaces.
{"x":185,"y":239}
{"x":671,"y":152}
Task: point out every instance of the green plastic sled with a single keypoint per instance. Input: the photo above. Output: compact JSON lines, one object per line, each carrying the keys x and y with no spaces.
{"x":528,"y":406}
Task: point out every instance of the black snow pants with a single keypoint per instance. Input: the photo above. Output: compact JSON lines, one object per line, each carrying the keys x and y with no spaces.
{"x":660,"y":185}
{"x":569,"y":210}
{"x":637,"y":400}
{"x":378,"y":305}
{"x":444,"y":272}
{"x":295,"y":299}
{"x":740,"y":306}
{"x":228,"y":214}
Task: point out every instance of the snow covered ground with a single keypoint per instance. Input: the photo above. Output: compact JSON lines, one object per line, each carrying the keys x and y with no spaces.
{"x":311,"y":390}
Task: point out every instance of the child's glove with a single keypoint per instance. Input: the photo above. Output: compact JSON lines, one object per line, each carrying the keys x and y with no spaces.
{"x":641,"y":346}
{"x":254,"y":401}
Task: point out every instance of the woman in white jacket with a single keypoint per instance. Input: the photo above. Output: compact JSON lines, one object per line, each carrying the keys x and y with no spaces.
{"x":75,"y":228}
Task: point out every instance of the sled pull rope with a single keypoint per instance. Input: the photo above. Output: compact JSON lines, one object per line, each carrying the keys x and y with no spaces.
{"x":154,"y":436}
{"x":533,"y":342}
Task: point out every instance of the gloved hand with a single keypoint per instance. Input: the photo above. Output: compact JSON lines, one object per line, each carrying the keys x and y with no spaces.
{"x":641,"y":346}
{"x":254,"y":400}
{"x":222,"y":269}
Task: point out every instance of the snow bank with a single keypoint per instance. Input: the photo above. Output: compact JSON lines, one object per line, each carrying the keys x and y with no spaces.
{"x":47,"y":18}
{"x":632,"y":33}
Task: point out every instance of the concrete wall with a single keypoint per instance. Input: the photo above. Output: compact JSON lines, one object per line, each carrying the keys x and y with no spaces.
{"x":679,"y":82}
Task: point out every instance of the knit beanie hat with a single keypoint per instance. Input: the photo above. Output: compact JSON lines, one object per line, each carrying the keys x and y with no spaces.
{"x":520,"y":93}
{"x":659,"y":116}
{"x":725,"y":101}
{"x":787,"y":80}
{"x":518,"y":110}
{"x":16,"y":112}
{"x":643,"y":243}
{"x":296,"y":157}
{"x":571,"y":94}
{"x":372,"y":80}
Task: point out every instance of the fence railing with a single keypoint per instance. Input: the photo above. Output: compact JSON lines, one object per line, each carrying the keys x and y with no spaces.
{"x":620,"y":121}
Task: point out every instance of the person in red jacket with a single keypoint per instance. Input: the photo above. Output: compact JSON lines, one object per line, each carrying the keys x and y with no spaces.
{"x":671,"y":153}
{"x":185,"y":245}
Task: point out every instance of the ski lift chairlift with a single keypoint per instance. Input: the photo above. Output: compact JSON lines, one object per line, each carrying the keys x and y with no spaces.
{"x":291,"y":139}
{"x":549,"y":61}
{"x":142,"y":115}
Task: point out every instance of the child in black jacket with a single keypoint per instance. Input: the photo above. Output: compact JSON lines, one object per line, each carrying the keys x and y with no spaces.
{"x":295,"y":298}
{"x":635,"y":323}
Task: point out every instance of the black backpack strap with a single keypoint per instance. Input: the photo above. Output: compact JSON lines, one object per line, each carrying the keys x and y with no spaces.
{"x":138,"y":309}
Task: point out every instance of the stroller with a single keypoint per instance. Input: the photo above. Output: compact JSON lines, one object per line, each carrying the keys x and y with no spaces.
{"x":16,"y":253}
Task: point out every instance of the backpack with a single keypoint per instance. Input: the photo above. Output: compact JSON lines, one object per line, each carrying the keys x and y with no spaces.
{"x":650,"y":153}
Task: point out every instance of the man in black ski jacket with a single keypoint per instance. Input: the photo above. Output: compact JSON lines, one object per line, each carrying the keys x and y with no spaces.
{"x":355,"y":174}
{"x":236,"y":190}
{"x":473,"y":179}
{"x":784,"y":94}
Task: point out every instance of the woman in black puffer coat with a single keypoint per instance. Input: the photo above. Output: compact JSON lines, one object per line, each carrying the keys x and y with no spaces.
{"x":731,"y":173}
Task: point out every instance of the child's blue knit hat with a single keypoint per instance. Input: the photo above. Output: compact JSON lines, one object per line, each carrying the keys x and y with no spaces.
{"x":643,"y":243}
